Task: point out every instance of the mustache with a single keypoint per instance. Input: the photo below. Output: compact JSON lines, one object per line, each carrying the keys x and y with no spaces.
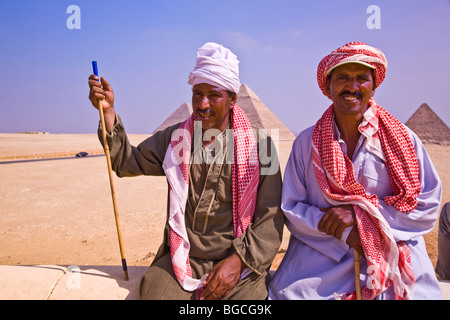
{"x":348,"y":93}
{"x":207,"y":111}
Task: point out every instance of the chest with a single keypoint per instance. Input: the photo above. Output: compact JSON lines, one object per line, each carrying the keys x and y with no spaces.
{"x":370,"y":171}
{"x":210,"y":202}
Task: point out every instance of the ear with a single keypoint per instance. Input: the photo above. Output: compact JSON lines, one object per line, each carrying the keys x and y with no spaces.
{"x":327,"y":86}
{"x":233,"y":99}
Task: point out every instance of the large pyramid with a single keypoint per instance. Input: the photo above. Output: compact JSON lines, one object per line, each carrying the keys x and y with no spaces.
{"x":179,"y":115}
{"x":259,"y":115}
{"x":428,"y":126}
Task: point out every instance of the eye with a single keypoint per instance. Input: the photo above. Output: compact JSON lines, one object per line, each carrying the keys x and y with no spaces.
{"x":214,"y":96}
{"x":363,"y":79}
{"x":342,"y":78}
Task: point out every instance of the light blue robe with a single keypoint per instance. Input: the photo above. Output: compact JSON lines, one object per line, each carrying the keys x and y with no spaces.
{"x":317,"y":265}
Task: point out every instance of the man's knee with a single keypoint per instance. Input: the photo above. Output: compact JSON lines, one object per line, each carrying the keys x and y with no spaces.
{"x":159,"y":283}
{"x":443,"y":261}
{"x":444,"y":219}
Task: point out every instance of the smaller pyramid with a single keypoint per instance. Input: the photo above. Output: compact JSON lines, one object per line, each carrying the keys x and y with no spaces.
{"x":428,"y":126}
{"x":181,"y":114}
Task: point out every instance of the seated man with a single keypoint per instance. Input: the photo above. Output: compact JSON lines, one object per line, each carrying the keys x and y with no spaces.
{"x":358,"y":180}
{"x":224,"y":220}
{"x":443,"y":261}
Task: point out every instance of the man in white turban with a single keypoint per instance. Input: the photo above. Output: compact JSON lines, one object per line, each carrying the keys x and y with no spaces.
{"x":224,"y":220}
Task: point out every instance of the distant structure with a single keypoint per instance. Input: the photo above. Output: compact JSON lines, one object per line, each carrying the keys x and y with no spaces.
{"x":179,"y":115}
{"x":428,"y":126}
{"x":33,"y":132}
{"x":259,"y":115}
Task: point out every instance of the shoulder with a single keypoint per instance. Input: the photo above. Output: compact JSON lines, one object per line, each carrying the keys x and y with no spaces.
{"x":306,"y":134}
{"x":168,"y":130}
{"x":160,"y":140}
{"x":304,"y":140}
{"x":166,"y":133}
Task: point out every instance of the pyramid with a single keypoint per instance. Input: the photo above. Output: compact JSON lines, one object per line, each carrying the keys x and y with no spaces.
{"x":179,"y":115}
{"x":259,"y":115}
{"x":428,"y":126}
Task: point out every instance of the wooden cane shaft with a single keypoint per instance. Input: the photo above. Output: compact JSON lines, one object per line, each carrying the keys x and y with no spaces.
{"x":113,"y":191}
{"x":357,"y":278}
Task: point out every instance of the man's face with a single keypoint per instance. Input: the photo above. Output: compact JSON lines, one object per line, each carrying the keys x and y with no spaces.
{"x":350,"y":87}
{"x":212,"y":106}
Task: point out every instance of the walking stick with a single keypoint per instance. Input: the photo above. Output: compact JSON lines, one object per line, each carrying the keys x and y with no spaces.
{"x":111,"y":180}
{"x":357,"y":279}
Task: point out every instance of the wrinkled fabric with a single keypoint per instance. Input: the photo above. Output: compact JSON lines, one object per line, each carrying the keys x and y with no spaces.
{"x":389,"y":262}
{"x":317,"y":265}
{"x":217,"y":66}
{"x":245,"y":179}
{"x":209,"y":219}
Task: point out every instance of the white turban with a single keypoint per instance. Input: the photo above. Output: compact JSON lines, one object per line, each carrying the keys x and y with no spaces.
{"x":217,"y":66}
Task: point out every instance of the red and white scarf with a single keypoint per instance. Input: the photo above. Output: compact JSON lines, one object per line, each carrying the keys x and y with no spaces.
{"x":245,"y":179}
{"x":388,"y":262}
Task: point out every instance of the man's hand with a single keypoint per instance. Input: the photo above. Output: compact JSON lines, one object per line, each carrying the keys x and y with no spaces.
{"x":354,"y":241}
{"x":102,"y":91}
{"x":337,"y":219}
{"x":222,"y":278}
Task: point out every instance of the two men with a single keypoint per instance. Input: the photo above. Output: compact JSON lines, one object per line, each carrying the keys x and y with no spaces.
{"x":357,"y":181}
{"x":224,"y":220}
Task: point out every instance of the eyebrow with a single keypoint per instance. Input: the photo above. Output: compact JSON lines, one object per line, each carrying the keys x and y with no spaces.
{"x":215,"y":90}
{"x":342,"y":73}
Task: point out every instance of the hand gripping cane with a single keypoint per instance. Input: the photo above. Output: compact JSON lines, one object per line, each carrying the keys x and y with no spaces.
{"x":111,"y":180}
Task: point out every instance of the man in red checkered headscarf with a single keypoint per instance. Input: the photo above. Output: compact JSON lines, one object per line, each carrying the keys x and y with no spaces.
{"x":358,"y":180}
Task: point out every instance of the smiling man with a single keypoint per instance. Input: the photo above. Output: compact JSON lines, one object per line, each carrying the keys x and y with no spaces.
{"x":358,"y":180}
{"x":224,"y":220}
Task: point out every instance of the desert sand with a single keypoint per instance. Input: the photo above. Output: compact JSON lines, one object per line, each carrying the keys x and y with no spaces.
{"x":56,"y":209}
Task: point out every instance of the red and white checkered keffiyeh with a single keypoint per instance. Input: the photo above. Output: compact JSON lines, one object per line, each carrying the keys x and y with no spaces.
{"x":245,"y":179}
{"x":352,"y":52}
{"x":388,"y":262}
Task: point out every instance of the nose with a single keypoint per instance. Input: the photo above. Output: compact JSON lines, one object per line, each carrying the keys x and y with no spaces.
{"x":204,"y":103}
{"x":353,"y":85}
